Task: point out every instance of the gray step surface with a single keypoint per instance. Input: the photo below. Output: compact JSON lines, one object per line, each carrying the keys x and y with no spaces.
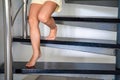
{"x":109,"y":3}
{"x":74,"y":41}
{"x":44,"y":77}
{"x":64,"y":68}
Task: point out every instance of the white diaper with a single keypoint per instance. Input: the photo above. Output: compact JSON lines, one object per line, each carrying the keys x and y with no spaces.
{"x":58,"y":2}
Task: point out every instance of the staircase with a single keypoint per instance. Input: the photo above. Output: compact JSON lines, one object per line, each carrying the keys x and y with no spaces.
{"x":10,"y":67}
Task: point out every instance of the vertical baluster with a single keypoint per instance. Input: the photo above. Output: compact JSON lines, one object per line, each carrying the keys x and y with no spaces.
{"x":24,"y":14}
{"x":7,"y":40}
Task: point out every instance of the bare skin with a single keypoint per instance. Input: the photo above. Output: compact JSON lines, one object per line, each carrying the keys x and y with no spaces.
{"x":40,"y":13}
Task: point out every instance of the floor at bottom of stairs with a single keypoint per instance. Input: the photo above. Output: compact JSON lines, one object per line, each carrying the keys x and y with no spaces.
{"x":53,"y":77}
{"x":43,"y":77}
{"x":48,"y":77}
{"x":15,"y":76}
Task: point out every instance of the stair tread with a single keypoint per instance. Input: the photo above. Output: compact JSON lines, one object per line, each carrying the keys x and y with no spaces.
{"x":74,"y":41}
{"x":66,"y":67}
{"x":109,"y":3}
{"x":52,"y":77}
{"x":87,"y":19}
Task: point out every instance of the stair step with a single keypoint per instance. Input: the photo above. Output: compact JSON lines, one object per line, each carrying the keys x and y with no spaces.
{"x":87,"y":19}
{"x":93,"y":25}
{"x":95,"y":50}
{"x":65,"y":68}
{"x":109,"y":3}
{"x":51,"y":77}
{"x":75,"y":42}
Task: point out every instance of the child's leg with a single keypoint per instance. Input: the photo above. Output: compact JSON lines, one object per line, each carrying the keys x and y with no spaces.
{"x":45,"y":16}
{"x":34,"y":33}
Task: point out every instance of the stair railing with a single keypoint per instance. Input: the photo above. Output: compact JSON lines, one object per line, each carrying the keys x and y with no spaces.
{"x":7,"y":40}
{"x":8,"y":23}
{"x":24,"y":15}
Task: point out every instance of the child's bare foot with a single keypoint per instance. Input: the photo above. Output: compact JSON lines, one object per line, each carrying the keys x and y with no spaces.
{"x":33,"y":60}
{"x":52,"y":34}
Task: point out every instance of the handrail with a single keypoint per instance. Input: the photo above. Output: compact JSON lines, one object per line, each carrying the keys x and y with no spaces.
{"x":8,"y":23}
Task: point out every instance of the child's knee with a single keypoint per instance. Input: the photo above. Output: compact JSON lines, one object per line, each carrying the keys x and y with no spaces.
{"x":32,"y":19}
{"x":43,"y":18}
